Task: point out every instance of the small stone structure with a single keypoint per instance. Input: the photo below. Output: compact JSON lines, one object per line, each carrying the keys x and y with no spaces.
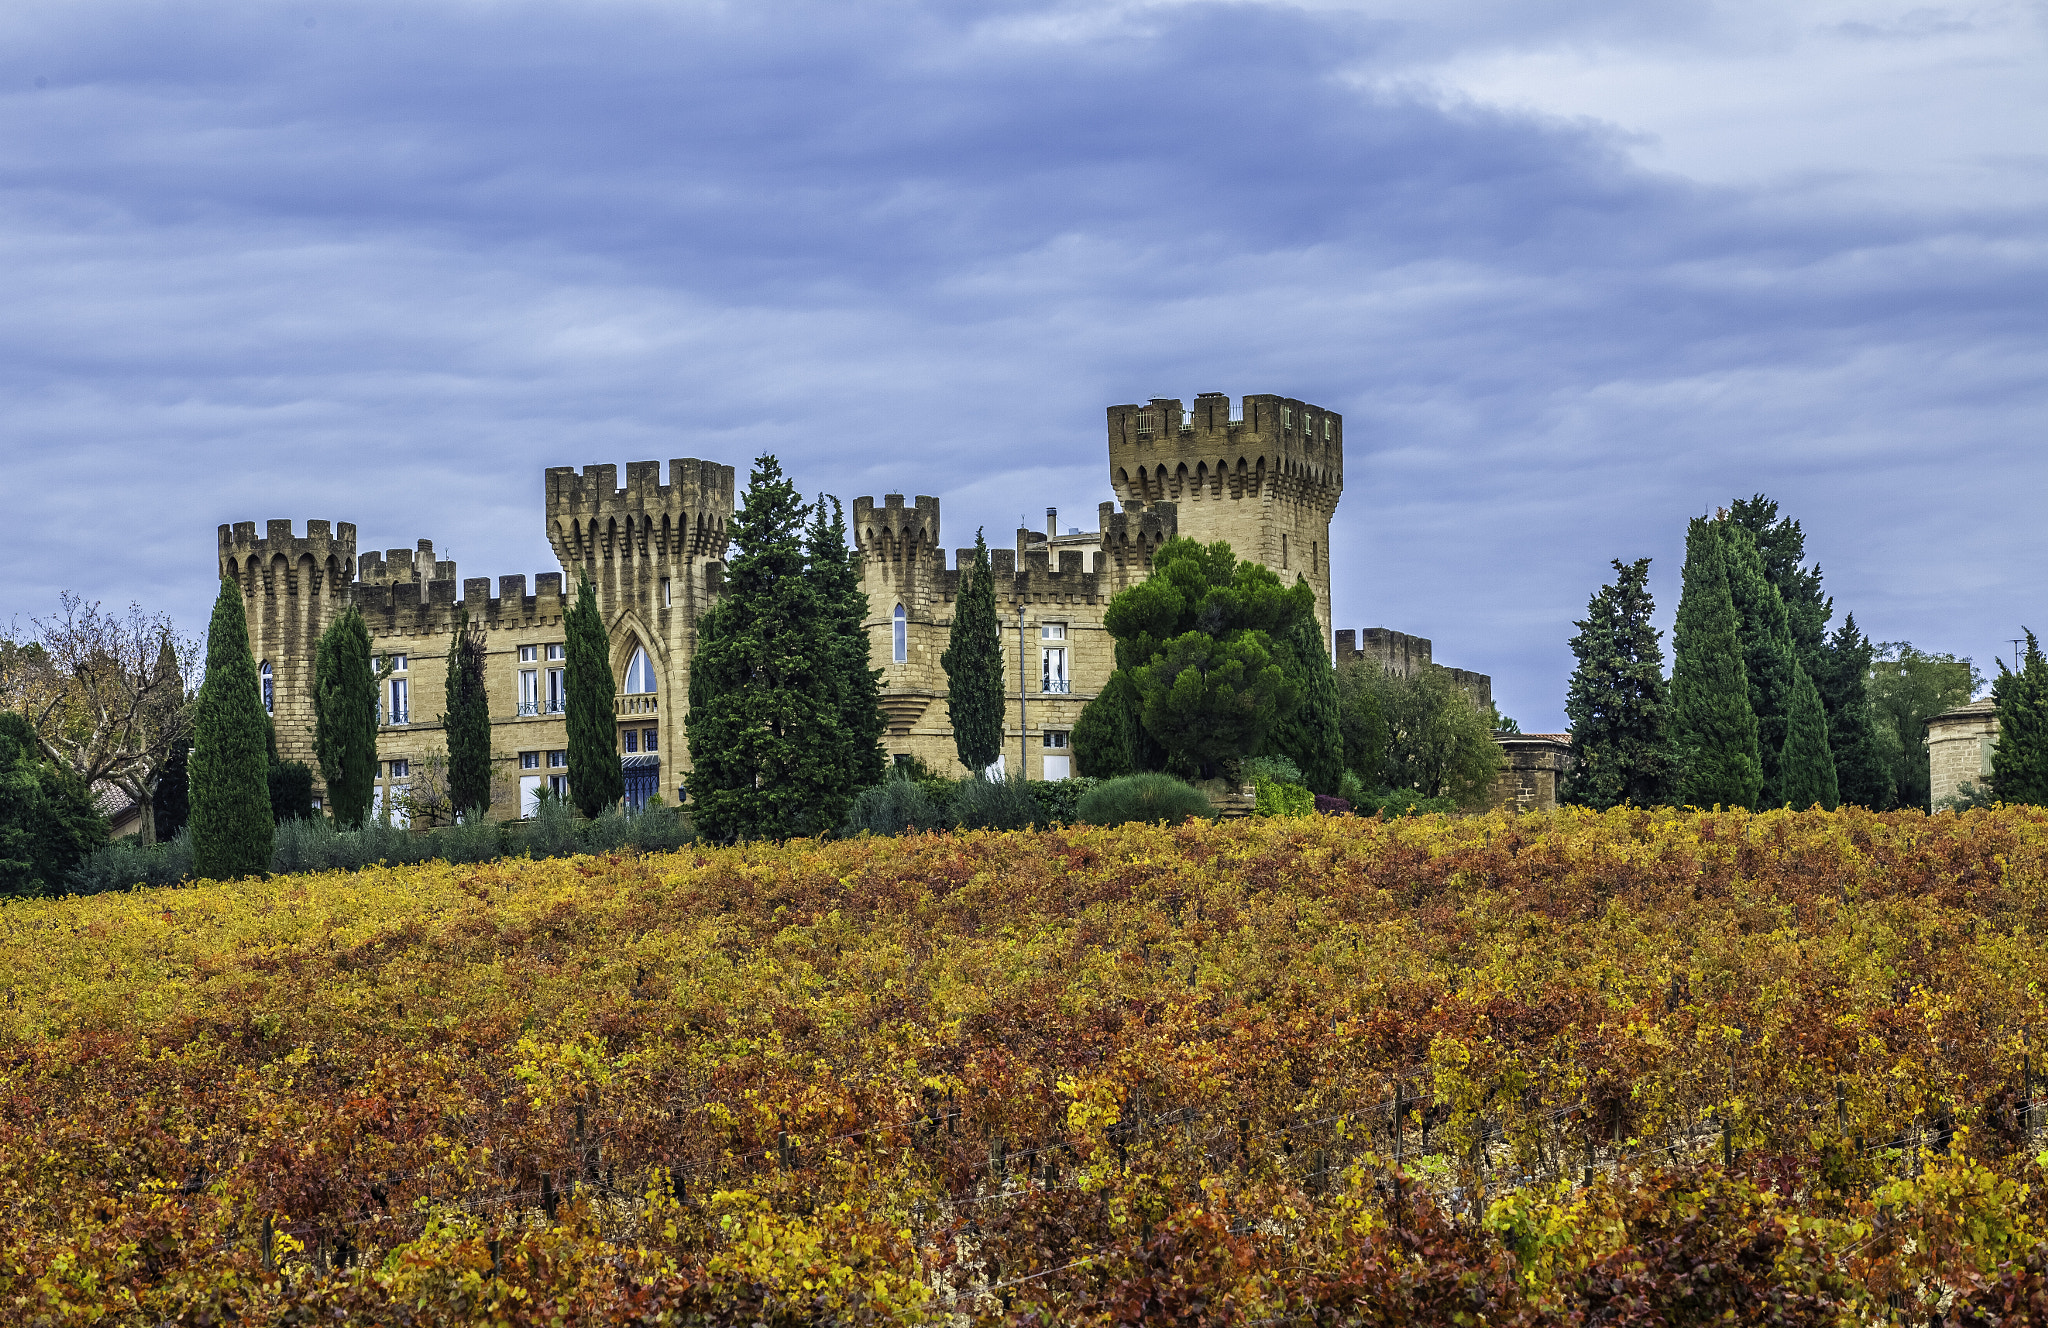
{"x":1959,"y":747}
{"x":1537,"y":764}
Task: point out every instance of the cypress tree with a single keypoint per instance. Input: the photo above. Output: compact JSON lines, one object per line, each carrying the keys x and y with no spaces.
{"x":596,"y":779}
{"x":1807,"y":765}
{"x":170,"y":802}
{"x":1781,"y":545}
{"x":1617,"y":701}
{"x":2019,"y":763}
{"x":1311,"y":735}
{"x":345,"y":717}
{"x":467,"y":723}
{"x":1713,"y":729}
{"x":1100,"y":749}
{"x":768,"y":753}
{"x":973,"y":662}
{"x":1842,"y":674}
{"x":1770,"y":661}
{"x":230,"y":763}
{"x":842,"y":641}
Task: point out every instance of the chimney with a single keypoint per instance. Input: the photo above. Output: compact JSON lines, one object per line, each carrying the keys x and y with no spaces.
{"x":1052,"y":522}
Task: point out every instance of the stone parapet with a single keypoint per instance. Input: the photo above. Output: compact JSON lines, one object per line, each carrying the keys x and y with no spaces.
{"x":1959,"y":747}
{"x":1537,"y":764}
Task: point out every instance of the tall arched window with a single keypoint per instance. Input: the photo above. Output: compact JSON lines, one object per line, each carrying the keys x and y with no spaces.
{"x":899,"y":648}
{"x":269,"y":689}
{"x":640,"y":672}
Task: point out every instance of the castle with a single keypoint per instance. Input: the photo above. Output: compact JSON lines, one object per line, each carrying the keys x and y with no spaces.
{"x":1265,"y":475}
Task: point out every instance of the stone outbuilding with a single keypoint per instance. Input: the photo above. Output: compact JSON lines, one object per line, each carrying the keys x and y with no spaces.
{"x":1537,"y":764}
{"x":1959,"y":747}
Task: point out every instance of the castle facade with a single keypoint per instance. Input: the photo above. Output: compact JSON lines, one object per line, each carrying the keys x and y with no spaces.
{"x":1265,"y":475}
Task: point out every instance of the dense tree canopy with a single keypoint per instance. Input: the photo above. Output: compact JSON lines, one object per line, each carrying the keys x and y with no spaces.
{"x":1713,"y":728}
{"x":345,"y":717}
{"x":2019,"y":764}
{"x":232,"y":826}
{"x":48,"y":820}
{"x":973,"y":661}
{"x":1618,"y":701}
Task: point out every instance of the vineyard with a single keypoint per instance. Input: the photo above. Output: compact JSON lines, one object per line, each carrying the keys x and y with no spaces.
{"x":1631,"y":1068}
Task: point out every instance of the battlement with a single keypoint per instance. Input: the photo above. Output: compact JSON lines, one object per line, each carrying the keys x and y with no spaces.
{"x":395,"y":607}
{"x":280,"y":562}
{"x":893,"y":531}
{"x":1405,"y":656}
{"x":400,"y":567}
{"x":592,"y":516}
{"x":1162,"y":450}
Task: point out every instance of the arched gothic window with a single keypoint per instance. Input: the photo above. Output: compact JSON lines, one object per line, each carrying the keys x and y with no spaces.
{"x":640,"y":672}
{"x":899,"y":649}
{"x":269,"y":689}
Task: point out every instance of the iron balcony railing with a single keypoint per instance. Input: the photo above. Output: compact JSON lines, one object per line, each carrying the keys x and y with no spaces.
{"x":529,"y":707}
{"x":1058,"y":686}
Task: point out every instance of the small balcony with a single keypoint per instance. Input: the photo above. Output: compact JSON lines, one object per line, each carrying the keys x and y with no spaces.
{"x":636,"y":703}
{"x":1055,"y":686}
{"x":399,"y":715}
{"x":528,"y":708}
{"x":555,"y":706}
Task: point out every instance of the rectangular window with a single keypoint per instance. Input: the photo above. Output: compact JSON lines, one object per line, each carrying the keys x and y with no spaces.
{"x":529,"y":760}
{"x":558,"y":760}
{"x":1147,"y":423}
{"x":557,"y":693}
{"x":401,"y":769}
{"x":630,"y":738}
{"x":1326,"y":428}
{"x":554,"y":650}
{"x":528,"y":654}
{"x":1053,"y":671}
{"x":401,"y":697}
{"x":1287,"y":417}
{"x":558,"y":785}
{"x":529,"y":690}
{"x":398,"y":663}
{"x":666,"y":601}
{"x":899,"y":637}
{"x":1052,"y":631}
{"x":1054,"y":739}
{"x":649,"y":739}
{"x":1283,"y":551}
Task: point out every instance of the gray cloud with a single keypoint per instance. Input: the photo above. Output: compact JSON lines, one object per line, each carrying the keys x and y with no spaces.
{"x":385,"y":267}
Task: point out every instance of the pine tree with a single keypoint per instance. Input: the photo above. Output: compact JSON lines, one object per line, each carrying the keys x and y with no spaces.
{"x":1842,"y":674}
{"x":1311,"y":735}
{"x":1713,"y":729}
{"x":596,"y":779}
{"x":768,"y":749}
{"x":230,"y":763}
{"x":2019,"y":763}
{"x":1618,"y":701}
{"x":345,"y":717}
{"x":843,"y":644}
{"x":1807,"y":764}
{"x":1781,"y":544}
{"x":973,"y":662}
{"x":1770,"y":661}
{"x":467,"y":722}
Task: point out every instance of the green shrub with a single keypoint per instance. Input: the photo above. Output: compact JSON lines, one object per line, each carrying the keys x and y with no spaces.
{"x":551,"y":831}
{"x":660,"y":828}
{"x":1278,"y":799}
{"x":476,"y":840}
{"x":1404,"y":802}
{"x":892,"y":807}
{"x":1276,"y":769}
{"x":1352,"y":789}
{"x":1059,"y":800}
{"x":993,"y":804}
{"x":1148,"y":797}
{"x":305,"y":844}
{"x":124,"y":864}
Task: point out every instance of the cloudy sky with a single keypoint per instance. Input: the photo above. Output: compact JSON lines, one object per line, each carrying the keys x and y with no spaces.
{"x":1573,"y":271}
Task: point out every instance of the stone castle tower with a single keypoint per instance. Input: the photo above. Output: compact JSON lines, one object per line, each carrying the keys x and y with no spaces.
{"x":1266,"y":477}
{"x":653,"y":553}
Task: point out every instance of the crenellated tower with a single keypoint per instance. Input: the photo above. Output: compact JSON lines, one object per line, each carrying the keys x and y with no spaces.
{"x":1265,"y":476}
{"x":293,"y":587}
{"x":654,"y":552}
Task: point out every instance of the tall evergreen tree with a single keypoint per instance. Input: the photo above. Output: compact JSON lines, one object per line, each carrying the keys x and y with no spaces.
{"x":171,"y":799}
{"x":230,"y":763}
{"x":973,"y":661}
{"x":843,"y":644}
{"x":1312,"y":734}
{"x":1362,"y":714}
{"x":1770,"y":660}
{"x":768,"y":747}
{"x":1618,"y":702}
{"x":596,"y":779}
{"x":1807,"y":764}
{"x":1713,"y":729}
{"x":1842,"y":674}
{"x":345,"y":717}
{"x":2019,"y":763}
{"x":1781,"y":544}
{"x":48,"y":819}
{"x":467,"y":722}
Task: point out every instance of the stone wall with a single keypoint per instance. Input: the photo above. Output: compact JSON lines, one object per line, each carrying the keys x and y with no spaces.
{"x":1536,"y":767}
{"x":1959,"y":747}
{"x":1405,"y":655}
